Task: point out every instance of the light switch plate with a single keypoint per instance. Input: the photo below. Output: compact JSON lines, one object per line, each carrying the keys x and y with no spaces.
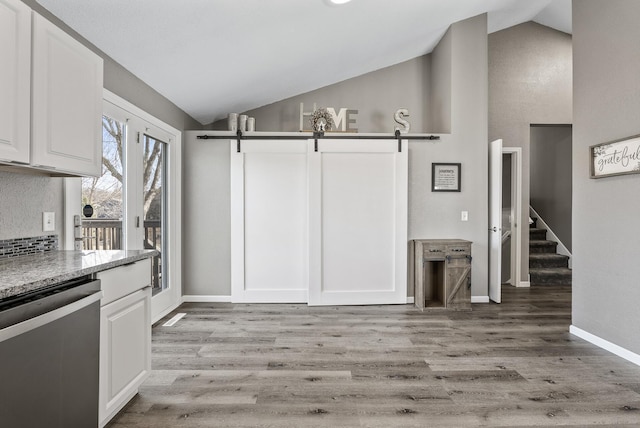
{"x":464,"y":216}
{"x":48,"y":221}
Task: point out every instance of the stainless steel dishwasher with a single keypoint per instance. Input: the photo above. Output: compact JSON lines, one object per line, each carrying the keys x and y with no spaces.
{"x":49,"y":357}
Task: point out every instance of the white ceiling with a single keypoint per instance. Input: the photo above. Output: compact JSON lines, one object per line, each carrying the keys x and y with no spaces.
{"x":212,"y":57}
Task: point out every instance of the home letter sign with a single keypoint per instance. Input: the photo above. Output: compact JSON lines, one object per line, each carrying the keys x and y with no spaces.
{"x":344,"y":119}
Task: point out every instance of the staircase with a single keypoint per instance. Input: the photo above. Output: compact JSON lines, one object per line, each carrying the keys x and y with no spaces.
{"x":546,"y":266}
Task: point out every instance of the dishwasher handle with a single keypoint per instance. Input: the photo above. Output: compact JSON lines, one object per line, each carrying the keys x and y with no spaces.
{"x":33,"y":323}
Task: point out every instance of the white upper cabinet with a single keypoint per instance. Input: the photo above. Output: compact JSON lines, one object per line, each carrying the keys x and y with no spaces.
{"x":66,"y":109}
{"x":15,"y":81}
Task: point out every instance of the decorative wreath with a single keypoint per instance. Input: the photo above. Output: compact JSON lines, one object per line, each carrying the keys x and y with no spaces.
{"x":321,"y":120}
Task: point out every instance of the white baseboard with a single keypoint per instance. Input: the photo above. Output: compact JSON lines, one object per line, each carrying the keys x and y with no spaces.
{"x":227,"y":299}
{"x":524,"y":284}
{"x":164,"y":313}
{"x":206,"y":299}
{"x":606,"y":345}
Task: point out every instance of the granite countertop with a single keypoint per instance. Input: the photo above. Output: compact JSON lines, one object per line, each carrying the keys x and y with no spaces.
{"x":23,"y":274}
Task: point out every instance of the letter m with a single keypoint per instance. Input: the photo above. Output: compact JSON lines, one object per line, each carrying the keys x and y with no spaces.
{"x":339,"y":119}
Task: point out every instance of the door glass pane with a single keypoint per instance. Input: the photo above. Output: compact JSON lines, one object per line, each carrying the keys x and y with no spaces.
{"x":102,"y":229}
{"x":153,"y":186}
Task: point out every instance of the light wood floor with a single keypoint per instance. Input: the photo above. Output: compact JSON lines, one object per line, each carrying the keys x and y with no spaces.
{"x":514,"y":364}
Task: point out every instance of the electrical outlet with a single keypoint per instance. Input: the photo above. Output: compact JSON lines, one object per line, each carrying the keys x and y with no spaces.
{"x":464,"y":216}
{"x":48,"y":221}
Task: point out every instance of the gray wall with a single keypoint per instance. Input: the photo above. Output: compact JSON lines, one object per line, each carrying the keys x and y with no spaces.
{"x":375,"y":95}
{"x":550,"y":168}
{"x":605,"y":220}
{"x":206,"y":257}
{"x":439,"y":105}
{"x":459,"y":63}
{"x":435,"y":214}
{"x":23,"y":197}
{"x":530,"y":81}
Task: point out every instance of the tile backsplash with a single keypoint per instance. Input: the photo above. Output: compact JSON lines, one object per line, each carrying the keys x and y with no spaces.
{"x":23,"y":246}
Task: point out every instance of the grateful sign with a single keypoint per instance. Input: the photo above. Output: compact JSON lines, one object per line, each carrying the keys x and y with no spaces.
{"x":616,"y":157}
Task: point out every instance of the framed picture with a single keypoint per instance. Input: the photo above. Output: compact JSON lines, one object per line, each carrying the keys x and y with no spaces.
{"x":615,"y":157}
{"x":445,"y":177}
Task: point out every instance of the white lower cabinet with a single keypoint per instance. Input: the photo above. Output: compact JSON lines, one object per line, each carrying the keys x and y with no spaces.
{"x":125,"y":335}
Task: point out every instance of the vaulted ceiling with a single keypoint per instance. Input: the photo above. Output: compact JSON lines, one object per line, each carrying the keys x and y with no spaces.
{"x":211,"y":57}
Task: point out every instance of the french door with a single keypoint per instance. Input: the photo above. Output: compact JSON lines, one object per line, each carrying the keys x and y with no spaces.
{"x":127,"y":207}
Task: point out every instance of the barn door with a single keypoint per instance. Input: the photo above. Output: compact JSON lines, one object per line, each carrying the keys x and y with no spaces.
{"x":358,"y":222}
{"x":269,"y":229}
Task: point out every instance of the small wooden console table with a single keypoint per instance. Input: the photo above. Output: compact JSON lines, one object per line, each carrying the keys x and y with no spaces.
{"x":441,"y":273}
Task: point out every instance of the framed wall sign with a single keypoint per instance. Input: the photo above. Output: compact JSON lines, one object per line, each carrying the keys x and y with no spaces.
{"x":445,"y":177}
{"x":615,"y":157}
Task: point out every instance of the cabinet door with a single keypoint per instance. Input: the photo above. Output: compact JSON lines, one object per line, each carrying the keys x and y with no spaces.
{"x":125,"y":350}
{"x":458,"y":283}
{"x":67,"y":102}
{"x":15,"y":80}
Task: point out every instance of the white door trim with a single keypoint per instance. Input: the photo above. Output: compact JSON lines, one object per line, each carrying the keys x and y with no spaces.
{"x":517,"y":229}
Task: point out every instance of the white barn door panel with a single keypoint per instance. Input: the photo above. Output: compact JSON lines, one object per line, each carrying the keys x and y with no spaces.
{"x":269,"y":227}
{"x":358,"y":196}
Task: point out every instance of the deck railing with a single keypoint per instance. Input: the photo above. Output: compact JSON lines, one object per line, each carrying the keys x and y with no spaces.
{"x":101,"y":234}
{"x":106,"y":234}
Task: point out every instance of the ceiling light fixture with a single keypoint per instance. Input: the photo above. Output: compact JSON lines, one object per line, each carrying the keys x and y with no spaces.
{"x":340,"y":1}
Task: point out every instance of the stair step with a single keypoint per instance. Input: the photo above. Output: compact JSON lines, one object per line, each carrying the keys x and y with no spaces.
{"x":542,"y":246}
{"x":535,"y":222}
{"x":549,"y":276}
{"x":548,"y":260}
{"x":537,"y":234}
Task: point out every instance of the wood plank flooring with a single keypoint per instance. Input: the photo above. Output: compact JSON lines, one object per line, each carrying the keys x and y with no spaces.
{"x":513,"y":364}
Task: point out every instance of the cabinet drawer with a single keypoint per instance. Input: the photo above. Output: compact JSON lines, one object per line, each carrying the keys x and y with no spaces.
{"x":458,"y":250}
{"x":434,"y":251}
{"x":123,"y":280}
